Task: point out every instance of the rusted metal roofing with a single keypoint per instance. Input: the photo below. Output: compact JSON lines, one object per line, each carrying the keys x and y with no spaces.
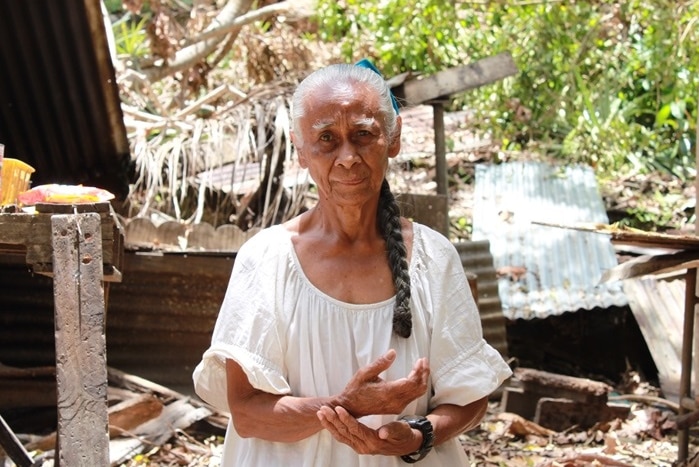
{"x":658,"y":306}
{"x":544,"y":270}
{"x":59,"y":104}
{"x":159,"y":318}
{"x":477,"y":260}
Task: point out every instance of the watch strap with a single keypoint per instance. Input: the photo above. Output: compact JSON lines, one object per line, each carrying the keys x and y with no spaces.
{"x":422,"y":424}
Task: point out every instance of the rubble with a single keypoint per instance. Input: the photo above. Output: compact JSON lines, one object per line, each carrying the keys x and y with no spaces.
{"x":142,"y":416}
{"x":152,"y":425}
{"x":560,"y":402}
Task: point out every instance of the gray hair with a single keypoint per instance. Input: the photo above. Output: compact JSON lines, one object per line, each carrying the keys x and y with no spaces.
{"x":342,"y":73}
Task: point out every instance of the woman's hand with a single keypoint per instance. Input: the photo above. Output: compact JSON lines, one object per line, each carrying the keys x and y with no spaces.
{"x":368,"y":394}
{"x":393,"y":439}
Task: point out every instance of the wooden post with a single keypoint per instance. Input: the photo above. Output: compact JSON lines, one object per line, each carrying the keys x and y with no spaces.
{"x":81,"y":367}
{"x":690,"y":344}
{"x":440,"y":153}
{"x":440,"y":147}
{"x":690,"y":300}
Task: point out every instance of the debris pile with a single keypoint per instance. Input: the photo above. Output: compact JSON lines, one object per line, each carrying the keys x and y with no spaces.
{"x":152,"y":425}
{"x":145,"y":418}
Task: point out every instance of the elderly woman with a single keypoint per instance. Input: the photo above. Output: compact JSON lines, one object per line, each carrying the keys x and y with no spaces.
{"x":348,"y":335}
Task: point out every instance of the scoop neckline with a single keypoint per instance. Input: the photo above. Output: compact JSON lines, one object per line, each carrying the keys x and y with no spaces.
{"x":297,"y":265}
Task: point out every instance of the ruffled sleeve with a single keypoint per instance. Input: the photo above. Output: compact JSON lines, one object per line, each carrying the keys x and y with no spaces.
{"x":247,"y":326}
{"x":464,"y":366}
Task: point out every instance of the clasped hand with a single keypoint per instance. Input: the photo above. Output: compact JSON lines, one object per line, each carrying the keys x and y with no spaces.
{"x":368,"y":394}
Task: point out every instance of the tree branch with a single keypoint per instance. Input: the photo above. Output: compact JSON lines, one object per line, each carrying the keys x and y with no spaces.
{"x":229,"y":21}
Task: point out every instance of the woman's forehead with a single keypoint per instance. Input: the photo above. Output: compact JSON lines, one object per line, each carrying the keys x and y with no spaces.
{"x":347,"y":99}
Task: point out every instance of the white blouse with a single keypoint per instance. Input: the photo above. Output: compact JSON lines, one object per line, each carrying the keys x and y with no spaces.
{"x":291,"y":338}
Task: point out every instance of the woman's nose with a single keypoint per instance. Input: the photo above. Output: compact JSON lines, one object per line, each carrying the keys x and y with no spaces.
{"x":347,"y":156}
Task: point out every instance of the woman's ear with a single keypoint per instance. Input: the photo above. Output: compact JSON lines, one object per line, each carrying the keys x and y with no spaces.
{"x":394,"y":146}
{"x":299,"y":152}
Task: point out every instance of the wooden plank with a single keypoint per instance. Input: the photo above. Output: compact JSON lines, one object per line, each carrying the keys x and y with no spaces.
{"x":13,"y":447}
{"x":42,"y":253}
{"x":73,"y":208}
{"x":123,"y":418}
{"x":454,"y":80}
{"x":178,"y":415}
{"x":230,"y":237}
{"x":556,"y":385}
{"x":129,"y":414}
{"x":201,"y":236}
{"x":33,"y":231}
{"x":81,"y":367}
{"x":15,"y":228}
{"x":141,"y":231}
{"x":652,"y":264}
{"x":138,"y":384}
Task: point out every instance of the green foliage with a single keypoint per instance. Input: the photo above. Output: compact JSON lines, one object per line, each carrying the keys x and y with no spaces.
{"x":130,"y":37}
{"x":613,"y":84}
{"x":649,"y":217}
{"x":113,"y":6}
{"x":402,"y":35}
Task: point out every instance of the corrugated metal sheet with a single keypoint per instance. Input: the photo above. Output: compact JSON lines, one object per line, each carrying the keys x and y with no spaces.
{"x":159,"y":318}
{"x":59,"y":104}
{"x":476,"y":259}
{"x":562,"y":267}
{"x":658,"y":306}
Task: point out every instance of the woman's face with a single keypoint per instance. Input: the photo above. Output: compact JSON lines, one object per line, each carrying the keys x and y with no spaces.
{"x":344,"y":143}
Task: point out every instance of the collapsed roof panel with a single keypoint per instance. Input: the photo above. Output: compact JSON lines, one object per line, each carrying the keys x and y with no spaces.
{"x":544,"y":270}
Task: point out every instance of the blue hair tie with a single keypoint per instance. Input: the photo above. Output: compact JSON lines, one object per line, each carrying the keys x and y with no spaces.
{"x":365,"y":63}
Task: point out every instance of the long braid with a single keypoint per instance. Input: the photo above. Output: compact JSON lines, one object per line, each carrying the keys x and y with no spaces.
{"x":390,"y":226}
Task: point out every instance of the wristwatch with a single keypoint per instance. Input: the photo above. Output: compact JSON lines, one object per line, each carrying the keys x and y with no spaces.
{"x":423,"y":424}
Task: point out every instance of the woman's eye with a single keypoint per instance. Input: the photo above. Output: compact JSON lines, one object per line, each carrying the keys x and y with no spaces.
{"x":364,"y":136}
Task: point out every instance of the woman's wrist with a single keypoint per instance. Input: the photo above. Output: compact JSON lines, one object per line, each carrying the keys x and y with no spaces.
{"x":425,"y":434}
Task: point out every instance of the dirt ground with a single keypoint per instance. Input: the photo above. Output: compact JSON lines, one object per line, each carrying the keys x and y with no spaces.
{"x":646,"y":438}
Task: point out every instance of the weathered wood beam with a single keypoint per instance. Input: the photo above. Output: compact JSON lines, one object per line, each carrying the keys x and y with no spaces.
{"x":81,"y":365}
{"x":455,"y":80}
{"x":652,"y":264}
{"x":31,"y":234}
{"x":563,"y":385}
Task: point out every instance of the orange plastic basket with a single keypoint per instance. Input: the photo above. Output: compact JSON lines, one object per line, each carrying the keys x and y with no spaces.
{"x":15,"y":178}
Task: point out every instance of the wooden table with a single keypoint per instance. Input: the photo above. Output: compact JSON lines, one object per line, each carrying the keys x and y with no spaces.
{"x":81,"y":247}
